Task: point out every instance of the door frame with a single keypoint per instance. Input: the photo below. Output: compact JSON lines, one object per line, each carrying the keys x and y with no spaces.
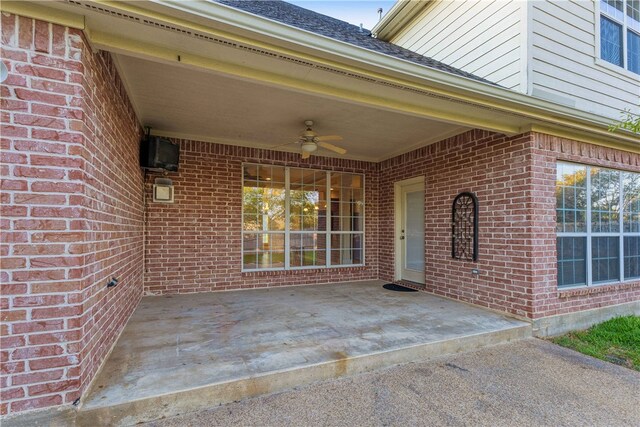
{"x":397,"y":226}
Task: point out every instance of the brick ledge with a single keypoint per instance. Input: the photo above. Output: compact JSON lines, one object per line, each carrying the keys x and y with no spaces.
{"x":590,"y":290}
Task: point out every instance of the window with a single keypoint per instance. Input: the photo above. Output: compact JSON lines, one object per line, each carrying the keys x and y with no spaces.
{"x":620,"y":33}
{"x":597,"y":225}
{"x":295,"y":218}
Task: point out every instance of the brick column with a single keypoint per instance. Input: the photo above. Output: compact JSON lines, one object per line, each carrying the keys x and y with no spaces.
{"x":59,"y":210}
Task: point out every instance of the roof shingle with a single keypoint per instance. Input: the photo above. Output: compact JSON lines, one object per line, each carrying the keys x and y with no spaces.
{"x":314,"y":22}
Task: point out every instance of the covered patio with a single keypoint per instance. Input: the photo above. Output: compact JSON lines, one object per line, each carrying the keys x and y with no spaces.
{"x":184,"y":352}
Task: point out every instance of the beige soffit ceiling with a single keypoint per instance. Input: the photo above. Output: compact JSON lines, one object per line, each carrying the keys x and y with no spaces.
{"x":183,"y":102}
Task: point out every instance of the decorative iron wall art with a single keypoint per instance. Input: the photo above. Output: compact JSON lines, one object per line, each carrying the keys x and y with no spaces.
{"x":464,"y":228}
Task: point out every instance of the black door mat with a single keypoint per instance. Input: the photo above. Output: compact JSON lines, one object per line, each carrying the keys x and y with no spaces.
{"x":398,"y":288}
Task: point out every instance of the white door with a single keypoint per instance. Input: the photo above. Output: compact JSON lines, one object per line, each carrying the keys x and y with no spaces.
{"x":411,"y":233}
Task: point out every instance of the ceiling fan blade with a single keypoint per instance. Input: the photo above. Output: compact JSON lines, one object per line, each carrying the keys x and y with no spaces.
{"x":306,"y":154}
{"x":332,"y":147}
{"x":282,"y":145}
{"x":330,"y":138}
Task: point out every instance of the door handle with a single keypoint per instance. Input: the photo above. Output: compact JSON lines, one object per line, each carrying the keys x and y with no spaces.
{"x":401,"y":234}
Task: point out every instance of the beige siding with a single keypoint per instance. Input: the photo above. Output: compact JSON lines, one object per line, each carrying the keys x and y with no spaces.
{"x":481,"y":37}
{"x":563,"y":60}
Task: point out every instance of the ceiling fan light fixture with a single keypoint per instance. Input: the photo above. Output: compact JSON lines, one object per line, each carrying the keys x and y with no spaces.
{"x":309,"y":146}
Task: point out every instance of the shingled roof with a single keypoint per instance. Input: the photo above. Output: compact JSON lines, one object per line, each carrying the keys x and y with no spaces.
{"x":314,"y":22}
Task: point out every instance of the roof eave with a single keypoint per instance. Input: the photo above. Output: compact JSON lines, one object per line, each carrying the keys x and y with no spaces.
{"x":396,"y":19}
{"x":379,"y":64}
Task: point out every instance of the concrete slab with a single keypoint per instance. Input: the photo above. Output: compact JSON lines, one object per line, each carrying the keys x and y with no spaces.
{"x":183,"y":353}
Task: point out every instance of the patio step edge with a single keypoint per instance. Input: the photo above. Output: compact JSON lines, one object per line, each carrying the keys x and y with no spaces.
{"x":211,"y":395}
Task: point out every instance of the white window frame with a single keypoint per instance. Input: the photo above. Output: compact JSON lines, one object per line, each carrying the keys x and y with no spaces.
{"x":287,"y":231}
{"x":621,"y":234}
{"x":627,"y":23}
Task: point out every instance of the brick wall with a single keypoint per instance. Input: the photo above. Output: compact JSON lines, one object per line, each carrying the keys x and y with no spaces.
{"x":72,"y":213}
{"x":194,"y":245}
{"x":498,"y":170}
{"x":547,"y":299}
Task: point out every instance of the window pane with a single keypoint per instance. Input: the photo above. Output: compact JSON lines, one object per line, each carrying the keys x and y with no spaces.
{"x":571,"y":198}
{"x":632,"y":257}
{"x":617,"y":4}
{"x":633,"y":9}
{"x":347,"y":202}
{"x":605,"y":259}
{"x":633,"y":51}
{"x":631,"y":206}
{"x":263,"y":195}
{"x":263,"y":250}
{"x":605,"y":200}
{"x":307,"y":249}
{"x":611,"y":41}
{"x":346,"y":249}
{"x":572,"y":266}
{"x":308,"y":202}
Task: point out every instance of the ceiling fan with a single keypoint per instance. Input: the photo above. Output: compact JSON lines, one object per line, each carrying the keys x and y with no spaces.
{"x":310,"y":141}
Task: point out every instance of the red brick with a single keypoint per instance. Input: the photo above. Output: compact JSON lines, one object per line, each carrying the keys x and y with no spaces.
{"x":53,"y":387}
{"x":36,"y":352}
{"x":39,"y":224}
{"x":38,"y":96}
{"x":55,"y":337}
{"x":25,"y":32}
{"x":45,"y":72}
{"x":8,"y":263}
{"x":66,"y":261}
{"x":42,"y":36}
{"x":55,"y":87}
{"x":56,"y":187}
{"x":35,"y":403}
{"x":9,"y":157}
{"x":11,"y":393}
{"x":52,"y":362}
{"x":37,"y":377}
{"x":13,"y":315}
{"x":49,"y":287}
{"x":14,"y":185}
{"x":43,"y":249}
{"x":11,"y":367}
{"x":14,"y":131}
{"x":40,"y":121}
{"x":36,"y":172}
{"x":40,"y":146}
{"x":37,"y":275}
{"x":51,"y":212}
{"x":38,"y":300}
{"x":55,"y":312}
{"x":38,"y":326}
{"x":9,"y":210}
{"x":14,"y":289}
{"x":14,"y":105}
{"x":13,"y":341}
{"x":39,"y":199}
{"x":9,"y":33}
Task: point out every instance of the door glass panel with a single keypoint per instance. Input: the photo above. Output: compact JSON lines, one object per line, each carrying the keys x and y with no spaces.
{"x":414,"y":231}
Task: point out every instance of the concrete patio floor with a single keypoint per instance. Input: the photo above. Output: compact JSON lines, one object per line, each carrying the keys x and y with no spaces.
{"x":183,"y":353}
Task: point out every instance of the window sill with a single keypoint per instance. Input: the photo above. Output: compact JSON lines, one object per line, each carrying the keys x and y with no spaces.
{"x":598,"y":289}
{"x":300,"y":271}
{"x":617,"y":69}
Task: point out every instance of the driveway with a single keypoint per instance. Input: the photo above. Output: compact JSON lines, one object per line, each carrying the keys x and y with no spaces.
{"x":526,"y":383}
